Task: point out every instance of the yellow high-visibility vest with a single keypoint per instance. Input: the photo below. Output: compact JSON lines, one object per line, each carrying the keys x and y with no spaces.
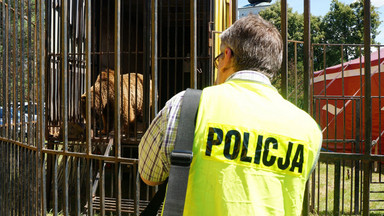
{"x":253,"y":152}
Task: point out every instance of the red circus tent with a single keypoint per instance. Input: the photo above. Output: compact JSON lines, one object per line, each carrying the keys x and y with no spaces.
{"x":338,"y":94}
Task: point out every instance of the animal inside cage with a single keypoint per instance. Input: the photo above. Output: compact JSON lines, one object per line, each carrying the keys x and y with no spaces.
{"x":147,"y":81}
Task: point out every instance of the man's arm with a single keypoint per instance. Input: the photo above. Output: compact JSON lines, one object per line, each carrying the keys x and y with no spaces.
{"x":151,"y":183}
{"x":158,"y":142}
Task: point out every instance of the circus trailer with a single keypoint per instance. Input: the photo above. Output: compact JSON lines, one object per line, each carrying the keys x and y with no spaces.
{"x":339,"y":105}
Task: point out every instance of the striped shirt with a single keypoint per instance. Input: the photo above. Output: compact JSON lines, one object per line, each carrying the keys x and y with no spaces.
{"x":159,"y":140}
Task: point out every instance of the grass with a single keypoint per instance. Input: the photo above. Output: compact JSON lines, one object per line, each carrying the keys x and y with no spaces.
{"x":324,"y":183}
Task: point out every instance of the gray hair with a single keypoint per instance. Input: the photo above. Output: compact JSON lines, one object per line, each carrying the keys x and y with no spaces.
{"x":256,"y":45}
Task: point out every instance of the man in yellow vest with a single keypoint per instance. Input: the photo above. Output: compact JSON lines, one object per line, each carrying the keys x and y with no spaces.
{"x":253,"y":151}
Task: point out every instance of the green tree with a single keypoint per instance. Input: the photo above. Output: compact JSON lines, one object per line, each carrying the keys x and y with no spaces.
{"x":344,"y":24}
{"x":295,"y":33}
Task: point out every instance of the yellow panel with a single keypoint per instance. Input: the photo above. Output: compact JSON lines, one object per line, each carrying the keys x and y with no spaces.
{"x":223,"y":19}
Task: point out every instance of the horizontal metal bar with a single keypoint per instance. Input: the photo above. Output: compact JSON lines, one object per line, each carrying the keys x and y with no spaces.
{"x":324,"y":156}
{"x":355,"y":45}
{"x":122,"y":160}
{"x":111,"y":159}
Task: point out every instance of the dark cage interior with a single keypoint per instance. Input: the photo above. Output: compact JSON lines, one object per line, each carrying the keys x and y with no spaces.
{"x":134,"y":68}
{"x":143,"y":91}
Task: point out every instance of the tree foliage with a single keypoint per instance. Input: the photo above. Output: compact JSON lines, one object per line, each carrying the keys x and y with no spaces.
{"x":343,"y":24}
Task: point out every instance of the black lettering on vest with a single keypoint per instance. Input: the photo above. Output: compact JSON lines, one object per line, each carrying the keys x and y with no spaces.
{"x":287,"y":158}
{"x":258,"y":149}
{"x":228,"y":141}
{"x":272,"y":160}
{"x":210,"y":141}
{"x":298,"y":162}
{"x":244,"y":151}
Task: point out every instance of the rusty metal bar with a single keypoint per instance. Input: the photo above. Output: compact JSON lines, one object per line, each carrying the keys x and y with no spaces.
{"x":3,"y":68}
{"x":14,"y":91}
{"x":89,"y":187}
{"x":284,"y":35}
{"x":307,"y":71}
{"x":336,"y":192}
{"x":88,"y":72}
{"x":29,"y":77}
{"x":136,"y":189}
{"x":295,"y":71}
{"x":136,"y":63}
{"x":234,"y":10}
{"x":102,"y":188}
{"x":307,"y":54}
{"x":78,"y":186}
{"x":379,"y":139}
{"x":22,"y":36}
{"x":368,"y":103}
{"x":154,"y":55}
{"x":40,"y":156}
{"x":117,"y":131}
{"x":117,"y":77}
{"x":64,"y":96}
{"x":193,"y":28}
{"x":55,"y":185}
{"x":2,"y":174}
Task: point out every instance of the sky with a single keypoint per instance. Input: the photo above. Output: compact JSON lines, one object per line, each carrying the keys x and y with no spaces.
{"x":320,"y":8}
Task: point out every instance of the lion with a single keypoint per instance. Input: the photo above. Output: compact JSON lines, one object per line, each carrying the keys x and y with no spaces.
{"x":103,"y":99}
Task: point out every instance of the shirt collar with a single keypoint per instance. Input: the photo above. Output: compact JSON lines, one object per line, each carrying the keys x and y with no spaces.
{"x":251,"y":76}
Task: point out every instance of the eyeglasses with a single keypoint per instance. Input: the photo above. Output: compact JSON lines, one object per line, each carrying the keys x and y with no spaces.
{"x":217,"y":60}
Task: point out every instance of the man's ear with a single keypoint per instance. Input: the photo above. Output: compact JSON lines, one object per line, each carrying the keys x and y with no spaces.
{"x":227,"y":59}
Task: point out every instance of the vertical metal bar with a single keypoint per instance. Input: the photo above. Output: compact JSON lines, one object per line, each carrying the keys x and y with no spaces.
{"x":64,"y":71}
{"x":117,"y":131}
{"x":30,"y":60}
{"x":41,"y":105}
{"x":175,"y":45}
{"x":117,"y":77}
{"x":167,"y":55}
{"x":136,"y":62}
{"x":193,"y":42}
{"x":137,"y":189}
{"x":325,"y":69}
{"x":22,"y":35}
{"x":64,"y":95}
{"x":234,"y":10}
{"x":154,"y":55}
{"x":379,"y":145}
{"x":15,"y":74}
{"x":284,"y":35}
{"x":7,"y":73}
{"x":7,"y":171}
{"x":368,"y":103}
{"x":307,"y":67}
{"x":102,"y":187}
{"x":4,"y":66}
{"x":89,"y":187}
{"x":357,"y":163}
{"x":88,"y":74}
{"x":78,"y":186}
{"x":336,"y":192}
{"x":296,"y":78}
{"x":88,"y":104}
{"x":19,"y":177}
{"x":146,"y":66}
{"x":55,"y":186}
{"x":2,"y":175}
{"x":307,"y":54}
